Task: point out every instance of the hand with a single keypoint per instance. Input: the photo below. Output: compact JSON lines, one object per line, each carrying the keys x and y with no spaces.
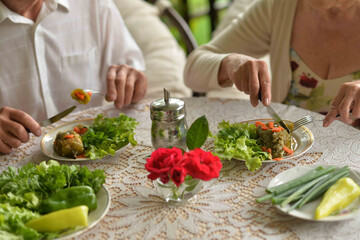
{"x":346,"y":104}
{"x":248,"y":74}
{"x":125,"y":85}
{"x":13,"y":124}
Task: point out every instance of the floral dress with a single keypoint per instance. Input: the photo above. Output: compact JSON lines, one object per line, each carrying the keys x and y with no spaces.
{"x":310,"y":91}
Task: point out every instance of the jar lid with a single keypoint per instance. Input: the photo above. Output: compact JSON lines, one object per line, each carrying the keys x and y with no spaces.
{"x":167,"y":109}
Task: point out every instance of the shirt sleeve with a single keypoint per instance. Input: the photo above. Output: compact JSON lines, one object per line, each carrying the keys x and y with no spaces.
{"x":248,"y":34}
{"x":118,"y":46}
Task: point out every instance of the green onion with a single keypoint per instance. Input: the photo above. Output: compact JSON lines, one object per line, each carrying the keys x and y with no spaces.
{"x":303,"y":189}
{"x":265,"y":197}
{"x":278,"y":200}
{"x":314,"y":174}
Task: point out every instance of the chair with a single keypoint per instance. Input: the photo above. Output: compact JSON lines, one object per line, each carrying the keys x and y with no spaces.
{"x":164,"y":58}
{"x":166,"y":10}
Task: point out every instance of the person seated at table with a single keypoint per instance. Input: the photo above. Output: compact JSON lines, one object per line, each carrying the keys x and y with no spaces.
{"x":313,"y":47}
{"x":49,"y":48}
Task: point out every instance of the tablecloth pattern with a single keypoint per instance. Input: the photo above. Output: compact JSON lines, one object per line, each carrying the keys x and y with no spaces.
{"x":226,"y":207}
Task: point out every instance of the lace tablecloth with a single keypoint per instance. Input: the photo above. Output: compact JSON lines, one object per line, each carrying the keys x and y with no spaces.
{"x":224,"y":210}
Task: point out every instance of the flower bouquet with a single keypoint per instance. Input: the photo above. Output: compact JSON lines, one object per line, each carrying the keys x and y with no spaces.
{"x":178,"y":175}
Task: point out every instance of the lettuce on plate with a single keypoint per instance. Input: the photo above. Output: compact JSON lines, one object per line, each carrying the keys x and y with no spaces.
{"x":107,"y":135}
{"x":239,"y":141}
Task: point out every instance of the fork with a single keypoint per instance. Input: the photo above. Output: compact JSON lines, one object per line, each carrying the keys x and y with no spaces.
{"x":303,"y":121}
{"x":93,"y":91}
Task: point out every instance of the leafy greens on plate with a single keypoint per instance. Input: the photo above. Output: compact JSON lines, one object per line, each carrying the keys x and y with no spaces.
{"x":22,"y":190}
{"x":103,"y":137}
{"x":252,"y":142}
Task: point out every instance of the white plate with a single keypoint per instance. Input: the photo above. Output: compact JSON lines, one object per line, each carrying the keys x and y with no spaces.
{"x":47,"y":142}
{"x":307,"y":211}
{"x":103,"y":205}
{"x":303,"y":138}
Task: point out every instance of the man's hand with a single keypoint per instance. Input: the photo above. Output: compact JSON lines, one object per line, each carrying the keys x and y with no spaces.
{"x":346,"y":104}
{"x":125,"y":85}
{"x":13,"y":124}
{"x":249,"y":76}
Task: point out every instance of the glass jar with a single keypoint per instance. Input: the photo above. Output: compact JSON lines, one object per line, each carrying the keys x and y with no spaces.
{"x":182,"y":193}
{"x":169,"y":127}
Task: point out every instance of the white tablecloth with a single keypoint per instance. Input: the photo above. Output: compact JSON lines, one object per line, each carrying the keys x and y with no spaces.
{"x":224,"y":210}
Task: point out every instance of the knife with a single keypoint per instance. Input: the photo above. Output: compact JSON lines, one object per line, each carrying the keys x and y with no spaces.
{"x":55,"y":118}
{"x":275,"y":116}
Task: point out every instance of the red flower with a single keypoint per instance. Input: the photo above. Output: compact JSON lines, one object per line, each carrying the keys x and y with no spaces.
{"x":161,"y":161}
{"x":202,"y":165}
{"x":294,"y":65}
{"x":308,"y":82}
{"x":178,"y":174}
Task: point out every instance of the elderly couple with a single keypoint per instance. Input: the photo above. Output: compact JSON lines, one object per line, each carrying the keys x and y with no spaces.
{"x":50,"y":47}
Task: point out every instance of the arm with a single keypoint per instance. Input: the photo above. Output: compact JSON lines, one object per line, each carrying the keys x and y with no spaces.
{"x":122,"y":59}
{"x":249,"y":36}
{"x":13,"y":125}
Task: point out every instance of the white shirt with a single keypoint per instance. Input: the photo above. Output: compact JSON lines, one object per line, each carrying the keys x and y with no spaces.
{"x":71,"y":45}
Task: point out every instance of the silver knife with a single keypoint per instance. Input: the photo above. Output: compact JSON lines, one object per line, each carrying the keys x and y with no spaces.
{"x":55,"y":118}
{"x":275,"y":116}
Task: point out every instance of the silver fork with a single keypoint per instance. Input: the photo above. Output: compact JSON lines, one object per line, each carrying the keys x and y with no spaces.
{"x":303,"y":121}
{"x":93,"y":91}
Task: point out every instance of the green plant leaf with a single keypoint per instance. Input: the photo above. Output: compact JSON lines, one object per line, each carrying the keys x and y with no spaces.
{"x":197,"y":133}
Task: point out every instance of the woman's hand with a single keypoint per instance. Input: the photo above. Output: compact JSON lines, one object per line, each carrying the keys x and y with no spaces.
{"x":125,"y":85}
{"x":249,"y":76}
{"x":346,"y":104}
{"x":13,"y":124}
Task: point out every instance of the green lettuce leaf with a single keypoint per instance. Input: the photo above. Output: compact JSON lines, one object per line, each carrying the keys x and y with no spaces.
{"x":240,"y":141}
{"x":107,"y":135}
{"x":22,"y":189}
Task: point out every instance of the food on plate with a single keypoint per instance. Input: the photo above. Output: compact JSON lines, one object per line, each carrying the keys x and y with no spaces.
{"x":68,"y":144}
{"x":26,"y":191}
{"x":104,"y":137}
{"x":253,"y":142}
{"x":60,"y":220}
{"x":338,"y":197}
{"x":339,"y":189}
{"x":81,"y":96}
{"x":68,"y":198}
{"x":275,"y":140}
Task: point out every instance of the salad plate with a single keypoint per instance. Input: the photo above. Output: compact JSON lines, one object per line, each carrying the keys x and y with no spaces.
{"x":303,"y":140}
{"x":94,"y":217}
{"x":47,"y":142}
{"x":307,"y":211}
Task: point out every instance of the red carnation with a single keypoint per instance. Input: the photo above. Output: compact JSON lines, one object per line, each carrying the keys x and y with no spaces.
{"x":202,"y":165}
{"x":308,"y":82}
{"x":161,"y":161}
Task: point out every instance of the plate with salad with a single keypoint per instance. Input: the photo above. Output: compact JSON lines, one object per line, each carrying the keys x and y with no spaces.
{"x":89,"y":139}
{"x":317,"y":193}
{"x":260,"y":141}
{"x":51,"y":201}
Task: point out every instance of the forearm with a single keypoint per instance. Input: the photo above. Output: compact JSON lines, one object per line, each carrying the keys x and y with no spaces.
{"x":201,"y":70}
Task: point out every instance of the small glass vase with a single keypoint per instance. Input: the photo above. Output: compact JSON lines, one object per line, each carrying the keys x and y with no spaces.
{"x":186,"y":191}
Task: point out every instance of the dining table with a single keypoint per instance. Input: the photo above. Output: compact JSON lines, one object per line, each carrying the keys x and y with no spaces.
{"x":224,"y":209}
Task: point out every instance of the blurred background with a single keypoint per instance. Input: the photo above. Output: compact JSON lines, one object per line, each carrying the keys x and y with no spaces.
{"x":202,"y":16}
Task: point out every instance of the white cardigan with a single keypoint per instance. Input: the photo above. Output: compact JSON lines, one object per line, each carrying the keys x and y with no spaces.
{"x":265,"y":28}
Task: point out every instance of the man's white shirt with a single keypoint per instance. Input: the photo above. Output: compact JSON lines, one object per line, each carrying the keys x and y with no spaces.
{"x":71,"y":45}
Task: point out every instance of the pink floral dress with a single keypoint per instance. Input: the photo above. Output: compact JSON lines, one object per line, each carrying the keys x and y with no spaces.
{"x":310,"y":91}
